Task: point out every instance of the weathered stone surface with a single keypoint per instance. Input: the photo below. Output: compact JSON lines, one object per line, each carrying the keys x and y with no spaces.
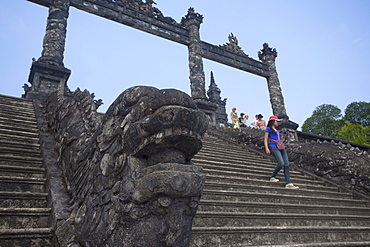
{"x":268,"y":55}
{"x":130,"y":174}
{"x":344,"y":165}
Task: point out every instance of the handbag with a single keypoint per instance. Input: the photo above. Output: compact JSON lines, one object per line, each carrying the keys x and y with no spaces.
{"x":279,"y":143}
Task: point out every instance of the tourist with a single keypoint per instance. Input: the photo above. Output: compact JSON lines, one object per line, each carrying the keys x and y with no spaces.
{"x":254,"y":122}
{"x":246,"y":117}
{"x":234,"y":118}
{"x":261,"y":124}
{"x":241,"y":121}
{"x":271,"y":139}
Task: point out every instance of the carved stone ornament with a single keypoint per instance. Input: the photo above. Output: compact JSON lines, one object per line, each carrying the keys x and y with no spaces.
{"x":146,"y":7}
{"x":130,"y":175}
{"x":267,"y":52}
{"x":233,"y":45}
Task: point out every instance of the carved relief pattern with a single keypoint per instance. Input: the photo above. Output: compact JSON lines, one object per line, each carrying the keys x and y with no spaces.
{"x":56,"y":29}
{"x":192,"y":22}
{"x":139,"y":5}
{"x":233,"y":45}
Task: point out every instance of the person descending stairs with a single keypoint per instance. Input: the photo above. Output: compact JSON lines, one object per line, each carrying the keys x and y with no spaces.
{"x":240,"y":206}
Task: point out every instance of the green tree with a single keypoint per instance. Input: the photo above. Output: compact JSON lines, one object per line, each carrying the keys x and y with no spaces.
{"x":325,"y":120}
{"x":356,"y":133}
{"x":358,"y":112}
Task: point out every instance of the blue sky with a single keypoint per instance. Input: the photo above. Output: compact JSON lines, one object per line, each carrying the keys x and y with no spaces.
{"x":323,"y":51}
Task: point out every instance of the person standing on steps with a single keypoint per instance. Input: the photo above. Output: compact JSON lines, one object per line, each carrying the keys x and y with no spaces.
{"x":241,"y":121}
{"x":261,"y":124}
{"x":234,"y":118}
{"x":254,"y":122}
{"x":271,"y":137}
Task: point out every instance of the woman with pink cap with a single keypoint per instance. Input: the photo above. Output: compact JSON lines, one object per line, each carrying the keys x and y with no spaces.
{"x":271,"y":138}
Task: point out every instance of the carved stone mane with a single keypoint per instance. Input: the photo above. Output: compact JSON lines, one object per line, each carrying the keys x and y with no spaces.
{"x":130,"y":176}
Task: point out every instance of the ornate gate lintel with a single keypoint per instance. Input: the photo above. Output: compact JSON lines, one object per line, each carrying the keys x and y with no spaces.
{"x":145,"y":17}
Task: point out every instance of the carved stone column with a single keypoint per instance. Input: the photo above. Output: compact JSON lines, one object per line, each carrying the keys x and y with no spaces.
{"x":48,"y":73}
{"x":267,"y":55}
{"x":192,"y":22}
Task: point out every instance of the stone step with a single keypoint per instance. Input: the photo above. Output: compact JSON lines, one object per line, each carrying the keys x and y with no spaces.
{"x":230,"y":151}
{"x":294,"y":197}
{"x":12,"y":120}
{"x":22,"y":184}
{"x":17,"y":115}
{"x":10,"y":137}
{"x":264,"y":182}
{"x":5,"y":100}
{"x":276,"y":207}
{"x":247,"y":169}
{"x":18,"y":218}
{"x":22,"y":151}
{"x":12,"y":199}
{"x":19,"y":143}
{"x":232,"y":148}
{"x":24,"y":212}
{"x":243,"y":219}
{"x":10,"y":126}
{"x":254,"y":235}
{"x":16,"y":159}
{"x":18,"y":133}
{"x":22,"y":111}
{"x":26,"y":237}
{"x":236,"y":161}
{"x":16,"y":106}
{"x":273,"y":189}
{"x":261,"y":177}
{"x":21,"y":171}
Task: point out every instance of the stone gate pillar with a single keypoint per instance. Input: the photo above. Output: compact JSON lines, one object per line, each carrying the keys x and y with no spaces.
{"x":48,"y":73}
{"x":267,"y":55}
{"x":192,"y":22}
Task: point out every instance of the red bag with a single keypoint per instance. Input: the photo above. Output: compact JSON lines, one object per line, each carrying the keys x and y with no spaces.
{"x":279,"y":144}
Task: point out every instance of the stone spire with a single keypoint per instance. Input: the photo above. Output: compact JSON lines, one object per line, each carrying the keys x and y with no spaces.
{"x":213,"y":92}
{"x":214,"y":95}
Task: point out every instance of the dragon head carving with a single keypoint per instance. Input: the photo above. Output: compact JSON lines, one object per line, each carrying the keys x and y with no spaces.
{"x":131,"y":178}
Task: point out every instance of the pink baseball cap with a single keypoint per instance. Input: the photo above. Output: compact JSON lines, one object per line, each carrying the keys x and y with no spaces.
{"x":275,"y":118}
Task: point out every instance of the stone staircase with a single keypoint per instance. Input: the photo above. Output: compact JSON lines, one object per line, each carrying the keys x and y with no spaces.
{"x":24,"y":213}
{"x":240,"y":207}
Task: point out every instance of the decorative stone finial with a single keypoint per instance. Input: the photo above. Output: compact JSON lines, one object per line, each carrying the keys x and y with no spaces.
{"x":267,"y":53}
{"x":192,"y":15}
{"x":233,"y":45}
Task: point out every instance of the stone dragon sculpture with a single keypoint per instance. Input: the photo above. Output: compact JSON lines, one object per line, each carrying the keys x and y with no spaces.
{"x":129,"y":175}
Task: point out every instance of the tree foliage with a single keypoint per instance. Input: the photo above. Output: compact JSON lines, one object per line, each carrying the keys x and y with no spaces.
{"x":357,"y":133}
{"x":358,"y":112}
{"x":325,"y":120}
{"x":354,"y":127}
